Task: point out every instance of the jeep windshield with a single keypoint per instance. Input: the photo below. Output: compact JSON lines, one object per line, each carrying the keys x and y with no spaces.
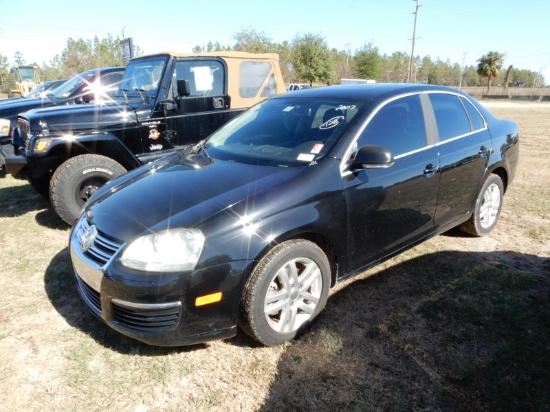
{"x":283,"y":132}
{"x":142,"y":77}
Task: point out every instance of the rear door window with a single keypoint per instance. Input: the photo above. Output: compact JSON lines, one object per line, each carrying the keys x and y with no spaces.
{"x":451,"y":117}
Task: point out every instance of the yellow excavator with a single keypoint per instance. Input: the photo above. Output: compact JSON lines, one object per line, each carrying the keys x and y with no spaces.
{"x":26,"y":79}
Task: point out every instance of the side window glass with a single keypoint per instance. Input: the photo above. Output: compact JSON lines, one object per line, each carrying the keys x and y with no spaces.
{"x":206,"y":78}
{"x":251,"y":78}
{"x":451,"y":118}
{"x":398,"y":126}
{"x":475,"y":118}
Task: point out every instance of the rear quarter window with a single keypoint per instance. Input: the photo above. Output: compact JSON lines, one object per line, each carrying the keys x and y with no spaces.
{"x":476,"y":120}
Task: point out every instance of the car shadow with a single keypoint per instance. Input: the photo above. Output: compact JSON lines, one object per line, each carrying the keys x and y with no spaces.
{"x":61,"y":290}
{"x":19,"y":200}
{"x":389,"y":342}
{"x":359,"y":351}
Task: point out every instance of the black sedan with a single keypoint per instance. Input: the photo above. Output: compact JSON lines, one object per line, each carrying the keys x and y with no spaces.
{"x":252,"y":227}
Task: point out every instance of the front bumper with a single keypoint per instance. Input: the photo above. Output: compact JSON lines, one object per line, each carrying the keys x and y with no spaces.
{"x":10,"y":162}
{"x":156,"y":308}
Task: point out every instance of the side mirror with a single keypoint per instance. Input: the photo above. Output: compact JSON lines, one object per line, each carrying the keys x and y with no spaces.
{"x":183,"y":88}
{"x":372,"y":157}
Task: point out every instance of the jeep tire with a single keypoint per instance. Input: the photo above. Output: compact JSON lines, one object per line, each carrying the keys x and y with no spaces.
{"x":76,"y":180}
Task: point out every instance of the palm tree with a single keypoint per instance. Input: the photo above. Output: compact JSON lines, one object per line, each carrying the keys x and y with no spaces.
{"x":489,"y":66}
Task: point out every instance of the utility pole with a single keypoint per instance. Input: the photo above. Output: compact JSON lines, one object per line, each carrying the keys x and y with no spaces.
{"x":409,"y":77}
{"x":462,"y":70}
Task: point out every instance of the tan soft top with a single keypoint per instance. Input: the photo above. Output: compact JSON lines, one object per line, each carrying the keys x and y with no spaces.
{"x":221,"y":54}
{"x":233,"y":59}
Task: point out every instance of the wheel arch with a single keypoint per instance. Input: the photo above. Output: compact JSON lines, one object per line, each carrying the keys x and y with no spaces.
{"x":105,"y":145}
{"x":323,"y":242}
{"x":503,"y":174}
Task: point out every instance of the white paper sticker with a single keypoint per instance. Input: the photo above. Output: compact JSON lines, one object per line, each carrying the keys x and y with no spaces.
{"x":306,"y":157}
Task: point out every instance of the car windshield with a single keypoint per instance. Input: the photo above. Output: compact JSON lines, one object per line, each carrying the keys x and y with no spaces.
{"x":71,"y":86}
{"x":142,"y":76}
{"x":283,"y":132}
{"x":44,"y":88}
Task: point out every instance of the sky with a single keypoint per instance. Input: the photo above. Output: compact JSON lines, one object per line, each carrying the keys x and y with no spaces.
{"x":459,"y":30}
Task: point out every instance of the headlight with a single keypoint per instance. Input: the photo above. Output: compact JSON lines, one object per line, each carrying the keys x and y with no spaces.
{"x":166,"y":251}
{"x":4,"y":127}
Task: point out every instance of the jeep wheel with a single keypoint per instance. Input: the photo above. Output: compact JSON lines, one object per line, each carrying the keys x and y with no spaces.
{"x":76,"y":180}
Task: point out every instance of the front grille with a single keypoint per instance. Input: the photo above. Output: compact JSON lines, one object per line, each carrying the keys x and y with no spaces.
{"x":103,"y":248}
{"x":146,"y":317}
{"x":23,"y":126}
{"x":91,"y":297}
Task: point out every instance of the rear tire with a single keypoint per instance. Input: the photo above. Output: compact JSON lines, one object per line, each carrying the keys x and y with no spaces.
{"x":287,"y":290}
{"x":76,"y":180}
{"x":487,"y":208}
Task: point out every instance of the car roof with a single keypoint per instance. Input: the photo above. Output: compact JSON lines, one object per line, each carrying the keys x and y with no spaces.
{"x":376,"y":91}
{"x":103,"y":70}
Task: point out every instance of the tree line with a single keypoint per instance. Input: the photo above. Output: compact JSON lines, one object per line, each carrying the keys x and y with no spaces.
{"x":305,"y":59}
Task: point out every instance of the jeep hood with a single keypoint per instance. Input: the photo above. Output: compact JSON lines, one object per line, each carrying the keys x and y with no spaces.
{"x":85,"y":116}
{"x":175,"y":193}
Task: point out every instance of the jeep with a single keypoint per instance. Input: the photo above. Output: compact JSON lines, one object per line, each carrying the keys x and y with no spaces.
{"x":164,"y":102}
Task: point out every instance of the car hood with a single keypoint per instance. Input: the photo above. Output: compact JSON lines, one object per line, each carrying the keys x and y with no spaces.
{"x":177,"y":193}
{"x":15,"y":106}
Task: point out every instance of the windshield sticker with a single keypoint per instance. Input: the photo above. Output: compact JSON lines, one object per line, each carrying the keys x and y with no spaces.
{"x":317,"y":148}
{"x":306,"y":157}
{"x":329,"y":124}
{"x":342,"y":107}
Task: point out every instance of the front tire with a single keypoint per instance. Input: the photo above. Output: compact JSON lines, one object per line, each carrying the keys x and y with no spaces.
{"x":76,"y":180}
{"x":286,"y":291}
{"x":487,"y":208}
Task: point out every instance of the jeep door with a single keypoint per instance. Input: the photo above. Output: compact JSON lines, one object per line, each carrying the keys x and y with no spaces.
{"x":390,"y":207}
{"x":204,"y":106}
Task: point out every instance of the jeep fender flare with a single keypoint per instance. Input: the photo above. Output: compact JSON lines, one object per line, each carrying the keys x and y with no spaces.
{"x":105,"y":144}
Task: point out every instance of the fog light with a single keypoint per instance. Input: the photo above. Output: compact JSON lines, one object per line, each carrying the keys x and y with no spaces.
{"x":41,"y":145}
{"x":207,"y":299}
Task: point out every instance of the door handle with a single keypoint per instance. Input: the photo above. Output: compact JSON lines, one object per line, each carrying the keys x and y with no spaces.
{"x":483,"y":151}
{"x":218,"y":102}
{"x":430,"y":170}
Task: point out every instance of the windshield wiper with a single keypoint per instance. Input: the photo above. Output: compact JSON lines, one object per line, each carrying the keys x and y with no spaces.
{"x":123,"y":90}
{"x":143,"y":95}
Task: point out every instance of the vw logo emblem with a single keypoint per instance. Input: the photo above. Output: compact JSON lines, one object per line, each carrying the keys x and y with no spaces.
{"x":88,"y":238}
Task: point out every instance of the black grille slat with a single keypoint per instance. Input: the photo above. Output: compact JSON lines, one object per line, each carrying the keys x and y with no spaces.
{"x":91,"y":295}
{"x":23,"y":127}
{"x":147,"y":319}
